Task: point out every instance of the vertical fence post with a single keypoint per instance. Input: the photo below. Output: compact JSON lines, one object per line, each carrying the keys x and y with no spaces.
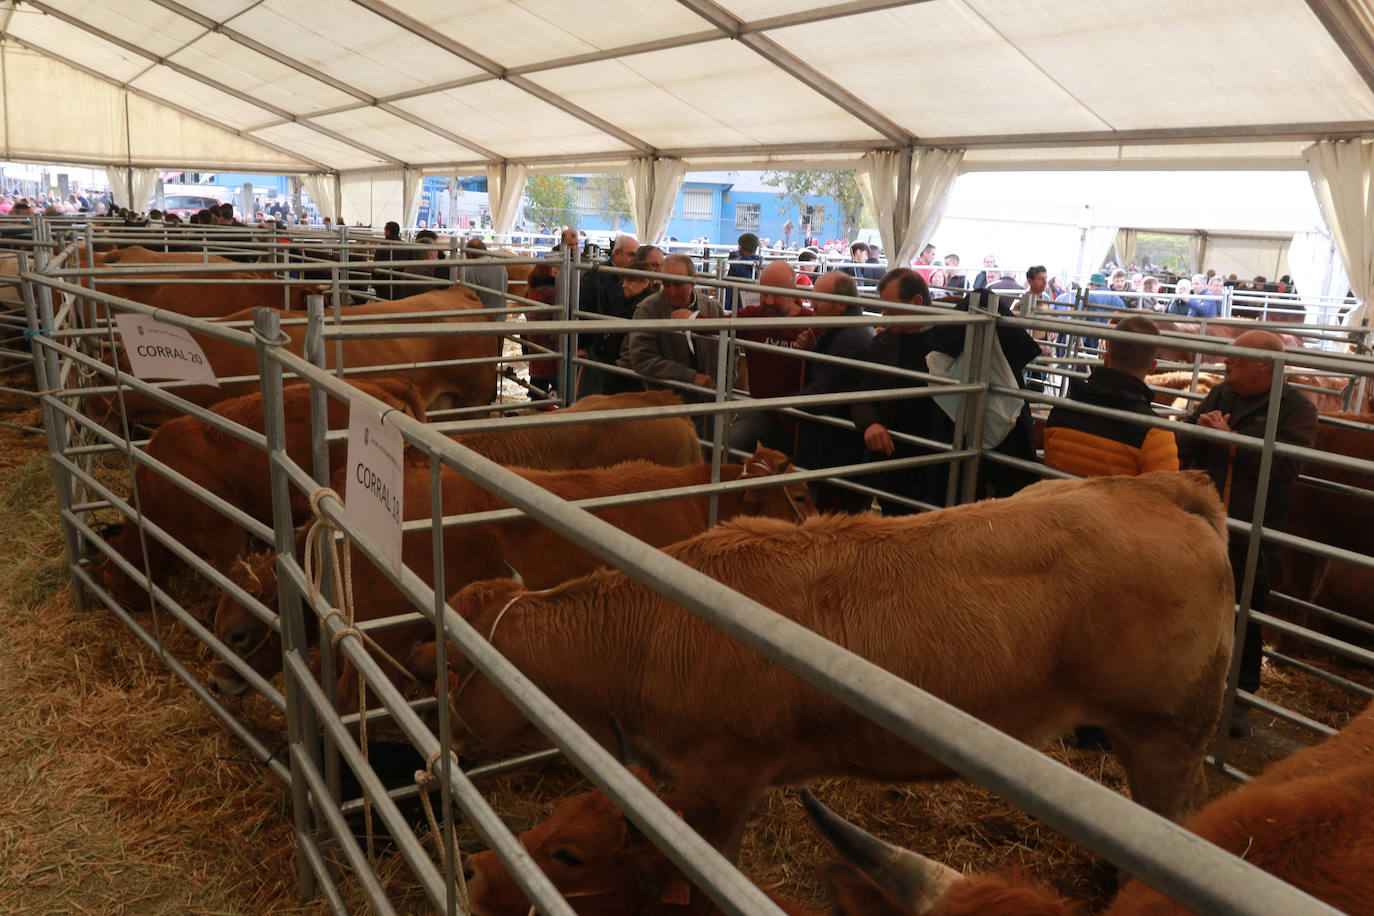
{"x":725,"y":356}
{"x":567,"y":294}
{"x":314,"y":351}
{"x":299,"y":717}
{"x":1252,"y":558}
{"x":45,"y":379}
{"x":979,"y":340}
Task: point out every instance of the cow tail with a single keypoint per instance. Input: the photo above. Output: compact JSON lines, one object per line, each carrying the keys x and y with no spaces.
{"x":1198,"y":496}
{"x":410,"y":390}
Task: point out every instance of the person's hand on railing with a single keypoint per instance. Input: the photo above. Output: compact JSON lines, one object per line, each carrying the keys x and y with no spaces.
{"x":877,"y":439}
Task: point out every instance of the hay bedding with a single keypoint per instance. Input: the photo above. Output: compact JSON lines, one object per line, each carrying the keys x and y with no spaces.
{"x":120,"y":793}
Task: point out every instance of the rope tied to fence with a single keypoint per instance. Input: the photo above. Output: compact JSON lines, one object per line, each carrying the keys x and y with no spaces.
{"x":319,"y":538}
{"x":427,"y":781}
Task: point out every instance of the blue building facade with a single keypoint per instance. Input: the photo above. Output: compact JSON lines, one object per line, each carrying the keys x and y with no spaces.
{"x":722,"y":206}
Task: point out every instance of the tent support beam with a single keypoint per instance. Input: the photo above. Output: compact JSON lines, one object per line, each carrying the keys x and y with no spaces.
{"x":799,"y":70}
{"x":295,"y":64}
{"x":200,"y":78}
{"x":438,"y":39}
{"x":1239,"y":133}
{"x":316,"y":166}
{"x":1349,"y":34}
{"x":644,"y":47}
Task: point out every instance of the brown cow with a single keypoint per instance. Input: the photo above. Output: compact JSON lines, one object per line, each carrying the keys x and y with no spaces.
{"x":229,"y":468}
{"x":480,"y":552}
{"x":1324,"y":515}
{"x":224,"y":296}
{"x":1224,"y":332}
{"x":468,"y":385}
{"x":601,"y":863}
{"x":669,"y":441}
{"x":996,"y":606}
{"x":1308,"y":820}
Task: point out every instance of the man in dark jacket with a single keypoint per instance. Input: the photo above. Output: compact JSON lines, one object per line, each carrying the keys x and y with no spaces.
{"x":603,"y":293}
{"x":821,"y":445}
{"x":903,"y":347}
{"x":1092,"y":445}
{"x":745,"y":263}
{"x":1241,"y":405}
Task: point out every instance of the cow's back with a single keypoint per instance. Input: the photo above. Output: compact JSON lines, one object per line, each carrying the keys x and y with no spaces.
{"x":666,"y":441}
{"x":1033,"y":613}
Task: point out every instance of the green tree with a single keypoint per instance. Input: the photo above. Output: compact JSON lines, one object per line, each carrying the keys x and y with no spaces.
{"x":551,"y":200}
{"x":797,"y":189}
{"x":607,"y":196}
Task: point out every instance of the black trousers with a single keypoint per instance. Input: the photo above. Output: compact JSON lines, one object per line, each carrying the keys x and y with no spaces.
{"x":1252,"y":647}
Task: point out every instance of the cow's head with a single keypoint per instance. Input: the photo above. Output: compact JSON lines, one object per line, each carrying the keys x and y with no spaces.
{"x":593,"y":855}
{"x":242,"y":630}
{"x":879,"y":879}
{"x":791,"y":501}
{"x":481,"y":714}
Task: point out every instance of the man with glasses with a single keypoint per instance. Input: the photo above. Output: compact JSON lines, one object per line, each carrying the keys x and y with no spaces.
{"x":672,"y":355}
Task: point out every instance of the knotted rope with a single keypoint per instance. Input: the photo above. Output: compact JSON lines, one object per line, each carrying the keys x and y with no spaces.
{"x":427,"y":781}
{"x":320,"y":534}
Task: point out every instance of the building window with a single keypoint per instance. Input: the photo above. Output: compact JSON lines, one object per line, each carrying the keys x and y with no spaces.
{"x":697,"y":202}
{"x":747,"y":216}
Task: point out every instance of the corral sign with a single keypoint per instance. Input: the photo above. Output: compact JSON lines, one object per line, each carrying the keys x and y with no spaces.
{"x":162,"y":351}
{"x":372,"y":497}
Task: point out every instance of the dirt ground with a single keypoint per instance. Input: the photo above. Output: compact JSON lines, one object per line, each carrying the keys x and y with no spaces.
{"x":120,"y":793}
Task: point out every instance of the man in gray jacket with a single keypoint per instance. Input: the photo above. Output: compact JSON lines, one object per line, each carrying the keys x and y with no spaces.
{"x":671,"y":355}
{"x":490,"y":276}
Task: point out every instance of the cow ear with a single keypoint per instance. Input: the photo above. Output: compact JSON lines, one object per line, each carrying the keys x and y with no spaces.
{"x":676,"y":890}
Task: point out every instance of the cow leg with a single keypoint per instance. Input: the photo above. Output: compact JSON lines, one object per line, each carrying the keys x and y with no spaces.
{"x":1163,"y":751}
{"x":734,"y":791}
{"x":1164,"y":770}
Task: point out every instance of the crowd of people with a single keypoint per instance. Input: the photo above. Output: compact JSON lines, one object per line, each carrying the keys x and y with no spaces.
{"x":896,"y":356}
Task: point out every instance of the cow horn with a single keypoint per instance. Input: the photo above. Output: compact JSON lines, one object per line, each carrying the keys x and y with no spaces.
{"x":622,"y":743}
{"x":912,"y":879}
{"x":514,"y":573}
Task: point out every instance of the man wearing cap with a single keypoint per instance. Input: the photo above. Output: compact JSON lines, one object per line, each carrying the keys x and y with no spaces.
{"x":744,"y":265}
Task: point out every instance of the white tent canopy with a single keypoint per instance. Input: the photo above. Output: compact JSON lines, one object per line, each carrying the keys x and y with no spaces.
{"x":376,"y":92}
{"x":362,"y":85}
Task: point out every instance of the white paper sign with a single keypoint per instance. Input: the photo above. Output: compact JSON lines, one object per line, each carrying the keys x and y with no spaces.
{"x":372,"y":497}
{"x":162,"y":351}
{"x":747,"y":299}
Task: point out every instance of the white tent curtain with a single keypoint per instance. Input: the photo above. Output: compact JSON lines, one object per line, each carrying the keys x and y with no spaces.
{"x":906,"y":225}
{"x":1097,"y":242}
{"x":932,"y":180}
{"x":1125,"y":246}
{"x":1315,"y":266}
{"x":372,"y":198}
{"x":412,"y":182}
{"x":131,"y":188}
{"x":651,"y":187}
{"x":878,"y":183}
{"x":1197,"y":251}
{"x":505,"y":187}
{"x":1340,"y":172}
{"x":320,"y":186}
